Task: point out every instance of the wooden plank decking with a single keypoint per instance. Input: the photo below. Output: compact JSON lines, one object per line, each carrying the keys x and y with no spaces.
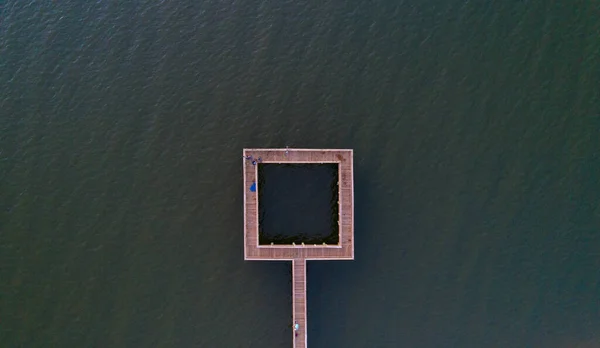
{"x":299,"y":301}
{"x":298,"y":254}
{"x":343,"y":250}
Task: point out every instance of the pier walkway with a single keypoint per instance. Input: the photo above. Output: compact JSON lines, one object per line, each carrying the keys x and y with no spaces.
{"x":298,"y":253}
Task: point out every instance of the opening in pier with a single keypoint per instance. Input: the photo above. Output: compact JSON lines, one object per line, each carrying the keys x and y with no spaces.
{"x":298,"y":203}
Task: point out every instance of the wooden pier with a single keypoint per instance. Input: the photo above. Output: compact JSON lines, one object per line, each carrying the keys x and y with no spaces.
{"x":299,"y":301}
{"x":299,"y":253}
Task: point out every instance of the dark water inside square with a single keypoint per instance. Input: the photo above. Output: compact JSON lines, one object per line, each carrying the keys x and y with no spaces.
{"x":298,"y":203}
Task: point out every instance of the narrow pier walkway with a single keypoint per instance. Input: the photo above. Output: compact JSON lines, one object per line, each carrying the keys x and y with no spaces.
{"x":299,"y":302}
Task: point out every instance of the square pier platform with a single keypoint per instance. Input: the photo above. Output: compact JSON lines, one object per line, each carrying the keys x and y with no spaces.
{"x":345,"y":247}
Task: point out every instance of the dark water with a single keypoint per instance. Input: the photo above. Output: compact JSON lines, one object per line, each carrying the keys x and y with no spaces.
{"x":475,"y":128}
{"x":298,"y":203}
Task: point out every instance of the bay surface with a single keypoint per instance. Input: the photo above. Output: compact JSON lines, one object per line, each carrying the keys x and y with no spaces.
{"x":475,"y":128}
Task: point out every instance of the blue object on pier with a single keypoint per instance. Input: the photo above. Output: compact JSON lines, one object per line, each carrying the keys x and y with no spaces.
{"x":253,"y":187}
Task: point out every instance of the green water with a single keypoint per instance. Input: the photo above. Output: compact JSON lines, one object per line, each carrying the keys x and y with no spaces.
{"x":298,"y":203}
{"x":475,"y":128}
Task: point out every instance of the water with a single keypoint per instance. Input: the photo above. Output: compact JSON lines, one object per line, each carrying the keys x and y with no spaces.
{"x":298,"y":203}
{"x":475,"y":134}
